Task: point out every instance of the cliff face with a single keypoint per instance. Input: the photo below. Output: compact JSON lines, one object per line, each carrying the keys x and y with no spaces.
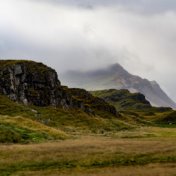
{"x":36,"y":84}
{"x":29,"y":82}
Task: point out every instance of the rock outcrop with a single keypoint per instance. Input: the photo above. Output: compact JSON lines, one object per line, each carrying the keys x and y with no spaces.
{"x":36,"y":84}
{"x":29,"y":82}
{"x":90,"y":102}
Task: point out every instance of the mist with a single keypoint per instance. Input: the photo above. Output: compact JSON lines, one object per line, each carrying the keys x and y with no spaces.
{"x":86,"y":35}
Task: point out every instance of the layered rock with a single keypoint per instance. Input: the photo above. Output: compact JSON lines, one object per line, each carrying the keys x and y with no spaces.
{"x":36,"y":84}
{"x":29,"y":82}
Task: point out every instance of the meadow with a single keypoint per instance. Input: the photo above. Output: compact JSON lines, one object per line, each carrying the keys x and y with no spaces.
{"x":50,"y":141}
{"x":151,"y":152}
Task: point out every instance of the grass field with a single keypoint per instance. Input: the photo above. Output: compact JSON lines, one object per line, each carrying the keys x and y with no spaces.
{"x":50,"y":141}
{"x":95,"y":155}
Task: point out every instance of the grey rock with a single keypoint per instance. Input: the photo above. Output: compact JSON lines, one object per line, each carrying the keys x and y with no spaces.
{"x":17,"y":70}
{"x":36,"y":84}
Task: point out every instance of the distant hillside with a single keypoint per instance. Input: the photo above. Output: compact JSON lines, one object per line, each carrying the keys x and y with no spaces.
{"x":123,"y":99}
{"x":116,"y":77}
{"x":136,"y":107}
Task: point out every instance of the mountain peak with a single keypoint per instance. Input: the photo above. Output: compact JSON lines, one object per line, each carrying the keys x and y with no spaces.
{"x":116,"y":66}
{"x":116,"y":77}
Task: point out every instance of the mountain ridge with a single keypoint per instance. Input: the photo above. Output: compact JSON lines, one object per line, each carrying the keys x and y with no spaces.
{"x":116,"y":77}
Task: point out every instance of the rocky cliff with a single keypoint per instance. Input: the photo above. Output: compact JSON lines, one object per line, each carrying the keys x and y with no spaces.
{"x":36,"y":84}
{"x":29,"y":82}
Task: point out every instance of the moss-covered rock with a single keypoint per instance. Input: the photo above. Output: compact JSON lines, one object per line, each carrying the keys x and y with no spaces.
{"x":34,"y":83}
{"x":85,"y":100}
{"x":29,"y":82}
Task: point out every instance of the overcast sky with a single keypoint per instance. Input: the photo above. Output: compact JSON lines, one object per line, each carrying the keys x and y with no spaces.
{"x":88,"y":34}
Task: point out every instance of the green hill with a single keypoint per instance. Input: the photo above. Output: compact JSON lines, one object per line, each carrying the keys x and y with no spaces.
{"x":134,"y":108}
{"x":35,"y":107}
{"x":34,"y":124}
{"x":123,"y":99}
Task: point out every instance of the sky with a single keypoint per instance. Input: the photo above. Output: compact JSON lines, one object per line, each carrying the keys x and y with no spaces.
{"x":91,"y":34}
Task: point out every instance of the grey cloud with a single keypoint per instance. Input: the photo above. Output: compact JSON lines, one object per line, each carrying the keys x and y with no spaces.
{"x":142,"y":6}
{"x":82,"y":34}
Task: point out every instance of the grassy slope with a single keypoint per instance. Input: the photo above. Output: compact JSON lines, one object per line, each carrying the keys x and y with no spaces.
{"x":72,"y":122}
{"x":22,"y":130}
{"x":127,"y":149}
{"x":136,"y":111}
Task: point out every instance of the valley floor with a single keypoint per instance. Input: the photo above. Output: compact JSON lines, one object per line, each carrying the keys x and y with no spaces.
{"x":95,"y":156}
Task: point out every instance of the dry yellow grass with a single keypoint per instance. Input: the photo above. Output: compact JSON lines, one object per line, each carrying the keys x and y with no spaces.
{"x":148,"y":170}
{"x":91,"y":155}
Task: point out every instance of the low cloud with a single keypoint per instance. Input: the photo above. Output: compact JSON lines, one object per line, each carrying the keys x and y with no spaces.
{"x":68,"y":34}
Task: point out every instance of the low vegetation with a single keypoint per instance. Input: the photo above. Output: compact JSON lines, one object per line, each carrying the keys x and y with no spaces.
{"x":89,"y":156}
{"x":33,"y":66}
{"x":71,"y":121}
{"x":135,"y":109}
{"x":55,"y":141}
{"x":23,"y":130}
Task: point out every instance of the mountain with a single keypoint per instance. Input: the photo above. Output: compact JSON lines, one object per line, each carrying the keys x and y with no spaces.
{"x":116,"y":77}
{"x":36,"y":107}
{"x":33,"y":83}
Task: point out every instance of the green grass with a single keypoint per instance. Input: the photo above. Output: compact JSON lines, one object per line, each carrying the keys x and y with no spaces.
{"x":147,"y":170}
{"x":78,"y":122}
{"x":10,"y":108}
{"x":31,"y":65}
{"x":135,"y":110}
{"x":75,"y":122}
{"x":91,"y":146}
{"x":123,"y":99}
{"x":23,"y":130}
{"x":70,"y":121}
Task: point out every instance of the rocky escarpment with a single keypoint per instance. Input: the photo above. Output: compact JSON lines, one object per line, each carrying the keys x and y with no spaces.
{"x":89,"y":102}
{"x":29,"y":82}
{"x":36,"y":84}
